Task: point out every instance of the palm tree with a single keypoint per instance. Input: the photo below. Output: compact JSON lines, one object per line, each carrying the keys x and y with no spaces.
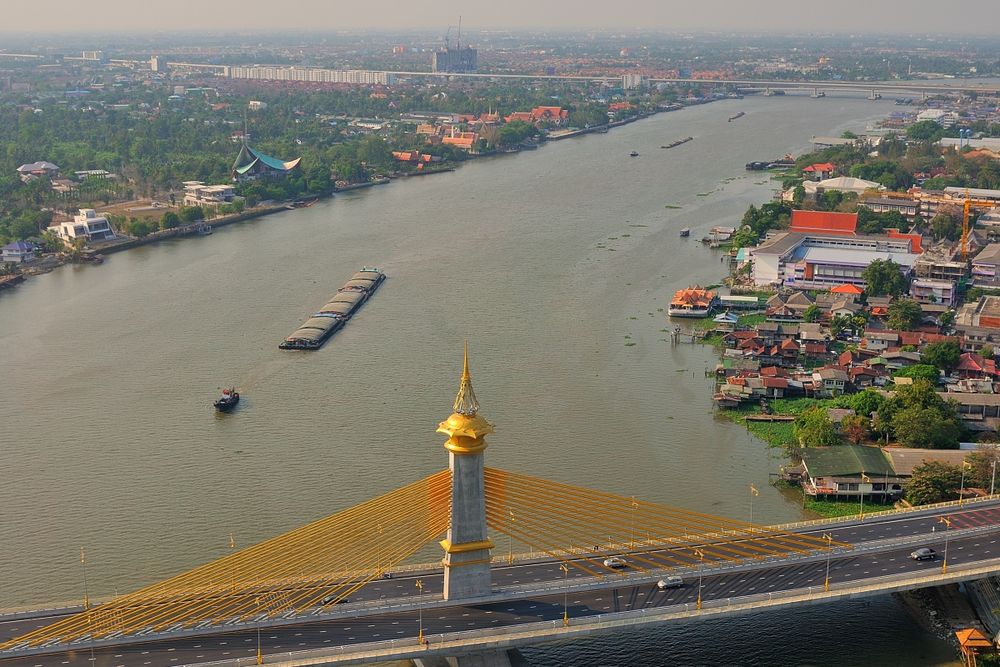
{"x":9,"y":269}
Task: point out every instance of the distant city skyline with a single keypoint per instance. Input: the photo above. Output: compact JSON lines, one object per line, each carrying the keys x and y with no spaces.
{"x":961,"y":16}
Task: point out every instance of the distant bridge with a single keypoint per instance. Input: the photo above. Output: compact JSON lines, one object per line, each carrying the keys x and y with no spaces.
{"x":335,"y":591}
{"x":915,"y":86}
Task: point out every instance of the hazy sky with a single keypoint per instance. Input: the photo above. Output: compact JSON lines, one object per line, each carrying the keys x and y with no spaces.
{"x":974,"y":16}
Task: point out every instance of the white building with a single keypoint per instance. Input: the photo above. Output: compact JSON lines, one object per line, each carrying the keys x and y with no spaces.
{"x":86,"y":225}
{"x":635,"y":81}
{"x":814,"y":189}
{"x":197,"y":193}
{"x":311,"y":74}
{"x":942,"y":118}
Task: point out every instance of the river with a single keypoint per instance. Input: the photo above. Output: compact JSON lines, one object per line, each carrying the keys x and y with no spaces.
{"x":555,"y":264}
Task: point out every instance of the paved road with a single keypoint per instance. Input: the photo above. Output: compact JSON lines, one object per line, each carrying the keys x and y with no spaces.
{"x":403,"y":625}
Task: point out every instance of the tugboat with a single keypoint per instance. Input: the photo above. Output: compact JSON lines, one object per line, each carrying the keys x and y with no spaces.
{"x":230,"y":397}
{"x":634,"y":154}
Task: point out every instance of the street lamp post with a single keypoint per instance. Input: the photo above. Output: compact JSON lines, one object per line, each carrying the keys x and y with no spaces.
{"x":993,"y":477}
{"x":378,"y":551}
{"x":829,"y":550}
{"x":260,"y":656}
{"x":510,"y":537}
{"x":86,"y":603}
{"x":753,"y":493}
{"x":565,"y":569}
{"x":961,"y":491}
{"x":864,"y":478}
{"x":86,"y":591}
{"x":631,"y":528}
{"x":420,"y":613}
{"x":701,"y":562}
{"x":946,"y":520}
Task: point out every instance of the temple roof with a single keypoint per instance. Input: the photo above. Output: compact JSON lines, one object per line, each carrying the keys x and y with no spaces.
{"x":248,"y":158}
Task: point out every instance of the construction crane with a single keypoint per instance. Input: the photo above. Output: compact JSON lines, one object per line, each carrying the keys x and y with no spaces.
{"x":966,"y":207}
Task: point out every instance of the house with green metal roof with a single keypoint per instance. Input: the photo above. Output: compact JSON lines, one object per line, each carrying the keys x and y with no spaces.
{"x":849,"y":471}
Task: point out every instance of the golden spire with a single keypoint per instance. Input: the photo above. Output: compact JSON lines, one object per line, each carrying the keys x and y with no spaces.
{"x":465,"y":428}
{"x":465,"y":402}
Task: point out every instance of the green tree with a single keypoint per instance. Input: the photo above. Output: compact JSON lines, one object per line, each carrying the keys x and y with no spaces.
{"x":927,"y":372}
{"x":926,"y":427}
{"x":984,"y":462}
{"x":946,"y":319}
{"x":191,"y":214}
{"x":904,"y":314}
{"x":813,"y":428}
{"x":945,"y":226}
{"x":855,"y":428}
{"x":925,"y":130}
{"x":9,"y":269}
{"x":933,"y":482}
{"x":944,"y":355}
{"x":170,"y":220}
{"x":883,"y":277}
{"x":864,"y":402}
{"x":744,"y":238}
{"x":811,"y":313}
{"x":139,"y":228}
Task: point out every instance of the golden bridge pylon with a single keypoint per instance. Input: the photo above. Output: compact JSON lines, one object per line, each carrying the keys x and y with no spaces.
{"x":328,"y":560}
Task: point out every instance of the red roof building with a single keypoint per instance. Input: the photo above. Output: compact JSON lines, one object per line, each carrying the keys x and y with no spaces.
{"x":848,"y":289}
{"x":824,"y":222}
{"x":915,"y":239}
{"x":971,"y":365}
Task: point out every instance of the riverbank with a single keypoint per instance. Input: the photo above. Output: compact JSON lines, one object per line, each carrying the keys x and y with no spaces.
{"x":94,"y":253}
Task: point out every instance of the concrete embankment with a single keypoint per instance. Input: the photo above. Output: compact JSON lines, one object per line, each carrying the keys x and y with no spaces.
{"x":186,"y":230}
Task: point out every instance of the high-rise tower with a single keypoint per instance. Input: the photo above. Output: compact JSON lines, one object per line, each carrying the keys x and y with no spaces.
{"x":467,"y":547}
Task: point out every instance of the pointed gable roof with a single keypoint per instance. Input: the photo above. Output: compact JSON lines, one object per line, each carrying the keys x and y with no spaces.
{"x":847,"y":289}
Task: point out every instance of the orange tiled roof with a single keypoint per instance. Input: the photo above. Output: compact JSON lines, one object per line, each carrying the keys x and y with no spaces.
{"x":824,"y":221}
{"x":847,"y":289}
{"x":692,"y":296}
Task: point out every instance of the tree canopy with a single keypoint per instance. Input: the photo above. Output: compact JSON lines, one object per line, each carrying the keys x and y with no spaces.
{"x":904,"y":314}
{"x":944,"y":355}
{"x":884,"y":278}
{"x":813,"y":428}
{"x":933,"y":482}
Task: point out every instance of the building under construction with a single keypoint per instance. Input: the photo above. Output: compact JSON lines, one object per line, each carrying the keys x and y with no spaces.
{"x":457,"y":60}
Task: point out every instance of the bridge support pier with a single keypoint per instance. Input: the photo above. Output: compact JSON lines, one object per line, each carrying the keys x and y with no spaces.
{"x":498,"y":658}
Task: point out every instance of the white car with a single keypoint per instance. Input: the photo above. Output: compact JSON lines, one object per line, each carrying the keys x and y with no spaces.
{"x":669,"y":582}
{"x":615,"y":562}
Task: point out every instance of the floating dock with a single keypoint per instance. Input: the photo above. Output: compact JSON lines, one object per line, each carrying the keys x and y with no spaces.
{"x":334,"y":315}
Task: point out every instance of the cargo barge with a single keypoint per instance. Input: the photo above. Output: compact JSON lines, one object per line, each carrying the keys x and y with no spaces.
{"x":334,"y":315}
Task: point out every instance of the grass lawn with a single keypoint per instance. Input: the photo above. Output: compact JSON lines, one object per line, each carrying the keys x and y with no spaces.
{"x":832,"y":508}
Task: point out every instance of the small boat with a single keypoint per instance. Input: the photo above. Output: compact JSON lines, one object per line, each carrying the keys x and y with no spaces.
{"x":634,"y":154}
{"x":737,"y":116}
{"x":230,"y":397}
{"x":204,"y":229}
{"x":685,"y":232}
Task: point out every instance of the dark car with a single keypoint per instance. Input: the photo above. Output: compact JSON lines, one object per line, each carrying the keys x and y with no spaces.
{"x":333,"y":599}
{"x":924,"y":553}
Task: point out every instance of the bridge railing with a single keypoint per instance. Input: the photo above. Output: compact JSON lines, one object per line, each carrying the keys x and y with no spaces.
{"x":468,"y":641}
{"x":895,"y":511}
